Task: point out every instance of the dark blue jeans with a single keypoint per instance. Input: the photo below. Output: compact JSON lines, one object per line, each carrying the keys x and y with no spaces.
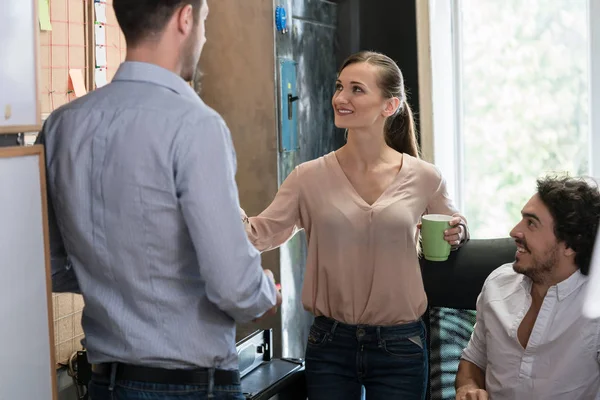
{"x":389,"y":361}
{"x":101,"y":389}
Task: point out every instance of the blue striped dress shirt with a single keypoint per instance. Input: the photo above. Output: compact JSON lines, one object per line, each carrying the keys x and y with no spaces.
{"x":144,"y":222}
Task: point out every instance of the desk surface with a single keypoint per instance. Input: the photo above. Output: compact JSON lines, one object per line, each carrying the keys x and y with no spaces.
{"x":274,"y":377}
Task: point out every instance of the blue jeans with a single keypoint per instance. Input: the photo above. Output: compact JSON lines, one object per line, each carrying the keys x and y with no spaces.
{"x":389,"y":361}
{"x":100,"y":389}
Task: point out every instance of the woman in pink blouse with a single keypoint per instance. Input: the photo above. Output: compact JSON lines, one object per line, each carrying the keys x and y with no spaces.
{"x":360,"y":207}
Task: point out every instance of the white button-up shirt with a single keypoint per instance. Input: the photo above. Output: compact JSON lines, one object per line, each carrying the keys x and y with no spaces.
{"x":561,"y":361}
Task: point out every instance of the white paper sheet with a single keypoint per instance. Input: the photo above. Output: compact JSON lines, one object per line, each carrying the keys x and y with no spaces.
{"x":100,"y":34}
{"x":100,"y":12}
{"x":100,"y":56}
{"x":100,"y":77}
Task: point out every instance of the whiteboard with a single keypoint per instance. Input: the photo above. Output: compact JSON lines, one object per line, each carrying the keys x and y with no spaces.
{"x":19,"y":69}
{"x":27,"y":369}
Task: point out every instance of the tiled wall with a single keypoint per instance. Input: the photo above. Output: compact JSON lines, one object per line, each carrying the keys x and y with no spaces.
{"x":67,"y":309}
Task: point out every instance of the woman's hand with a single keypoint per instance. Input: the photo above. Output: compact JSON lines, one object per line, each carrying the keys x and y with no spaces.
{"x":456,"y":233}
{"x":243,"y":216}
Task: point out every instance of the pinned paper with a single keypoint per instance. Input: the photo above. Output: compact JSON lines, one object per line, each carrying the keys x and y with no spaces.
{"x":100,"y":77}
{"x":100,"y":12}
{"x":100,"y":56}
{"x":99,"y":34}
{"x":77,"y":82}
{"x":44,"y":15}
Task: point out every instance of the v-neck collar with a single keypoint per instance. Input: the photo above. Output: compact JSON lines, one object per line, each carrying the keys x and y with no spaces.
{"x":406,"y":159}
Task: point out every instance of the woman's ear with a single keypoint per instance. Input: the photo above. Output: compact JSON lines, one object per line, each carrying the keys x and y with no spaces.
{"x":391,"y":106}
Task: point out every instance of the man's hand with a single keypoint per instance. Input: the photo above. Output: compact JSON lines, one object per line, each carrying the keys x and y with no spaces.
{"x":273,"y":310}
{"x":471,"y":393}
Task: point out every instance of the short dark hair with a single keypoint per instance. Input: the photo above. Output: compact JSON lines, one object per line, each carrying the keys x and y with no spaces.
{"x":140,"y":18}
{"x":574,"y":204}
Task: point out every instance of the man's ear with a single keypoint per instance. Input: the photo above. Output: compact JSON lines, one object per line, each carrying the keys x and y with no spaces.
{"x":569,"y":252}
{"x":185,"y":19}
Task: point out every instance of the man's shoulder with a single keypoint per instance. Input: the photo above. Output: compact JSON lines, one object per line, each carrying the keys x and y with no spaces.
{"x":502,"y":280}
{"x":153,"y":103}
{"x":505,"y":271}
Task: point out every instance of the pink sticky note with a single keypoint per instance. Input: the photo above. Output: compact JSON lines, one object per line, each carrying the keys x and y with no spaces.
{"x":77,"y":82}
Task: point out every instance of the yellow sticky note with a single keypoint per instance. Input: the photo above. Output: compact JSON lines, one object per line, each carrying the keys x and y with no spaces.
{"x":77,"y":82}
{"x":7,"y":111}
{"x":44,"y":15}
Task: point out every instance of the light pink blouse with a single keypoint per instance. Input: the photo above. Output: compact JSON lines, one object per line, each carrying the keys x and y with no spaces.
{"x":362,"y":265}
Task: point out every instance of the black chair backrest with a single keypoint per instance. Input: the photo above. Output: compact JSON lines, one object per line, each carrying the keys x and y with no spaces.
{"x":456,"y":282}
{"x":452,"y":288}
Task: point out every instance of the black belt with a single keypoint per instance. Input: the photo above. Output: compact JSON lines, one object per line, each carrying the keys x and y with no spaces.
{"x":136,"y":373}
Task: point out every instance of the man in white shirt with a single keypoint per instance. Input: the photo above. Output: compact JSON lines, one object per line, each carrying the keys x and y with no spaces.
{"x":531,"y":340}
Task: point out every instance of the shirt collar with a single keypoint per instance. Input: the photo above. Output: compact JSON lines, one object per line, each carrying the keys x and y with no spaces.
{"x":563,"y":289}
{"x":152,"y":73}
{"x":569,"y":285}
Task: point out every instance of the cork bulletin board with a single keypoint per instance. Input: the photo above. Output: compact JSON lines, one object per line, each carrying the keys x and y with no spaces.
{"x":62,"y":49}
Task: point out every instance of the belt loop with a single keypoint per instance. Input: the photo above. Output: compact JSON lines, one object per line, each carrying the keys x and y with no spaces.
{"x":379,"y":340}
{"x":211,"y":383}
{"x":333,"y":328}
{"x":113,"y":377}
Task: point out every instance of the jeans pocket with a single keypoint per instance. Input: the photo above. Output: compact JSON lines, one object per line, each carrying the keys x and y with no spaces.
{"x":317,"y":337}
{"x":411,"y":347}
{"x":416,"y":340}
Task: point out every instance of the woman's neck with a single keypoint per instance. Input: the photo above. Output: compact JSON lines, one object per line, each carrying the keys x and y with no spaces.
{"x":366,"y":149}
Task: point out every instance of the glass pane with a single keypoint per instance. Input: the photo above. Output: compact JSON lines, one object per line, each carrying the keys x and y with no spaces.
{"x":525,"y":94}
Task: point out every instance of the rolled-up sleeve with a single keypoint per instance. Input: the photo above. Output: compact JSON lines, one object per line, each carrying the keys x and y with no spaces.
{"x":475,"y":352}
{"x":204,"y":163}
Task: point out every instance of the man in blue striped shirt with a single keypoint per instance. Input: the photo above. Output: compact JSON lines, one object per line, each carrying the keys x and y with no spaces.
{"x":144,"y":219}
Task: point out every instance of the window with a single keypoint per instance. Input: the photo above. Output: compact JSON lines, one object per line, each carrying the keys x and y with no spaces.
{"x":506,"y":90}
{"x":511,"y":87}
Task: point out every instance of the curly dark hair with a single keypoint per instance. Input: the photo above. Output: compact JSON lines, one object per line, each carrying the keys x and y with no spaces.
{"x":574,"y":204}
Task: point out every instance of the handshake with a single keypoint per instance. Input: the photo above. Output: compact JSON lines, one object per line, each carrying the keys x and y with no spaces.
{"x":273,"y":310}
{"x":269,"y":274}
